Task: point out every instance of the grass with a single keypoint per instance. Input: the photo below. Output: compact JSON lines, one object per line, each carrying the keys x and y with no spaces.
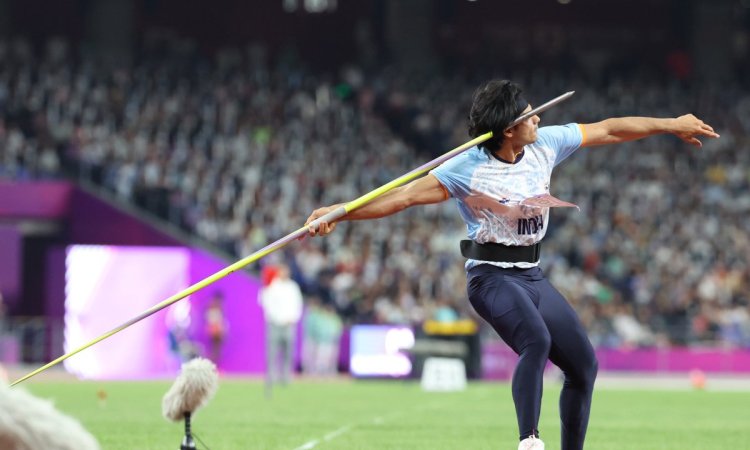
{"x":397,"y":415}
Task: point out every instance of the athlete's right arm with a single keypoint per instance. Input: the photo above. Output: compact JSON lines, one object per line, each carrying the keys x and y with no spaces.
{"x":424,"y":191}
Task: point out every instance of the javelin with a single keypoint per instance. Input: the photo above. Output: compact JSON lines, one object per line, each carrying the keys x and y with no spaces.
{"x":270,"y":248}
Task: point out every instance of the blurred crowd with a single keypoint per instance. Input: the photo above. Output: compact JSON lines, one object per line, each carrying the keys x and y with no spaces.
{"x":238,"y":149}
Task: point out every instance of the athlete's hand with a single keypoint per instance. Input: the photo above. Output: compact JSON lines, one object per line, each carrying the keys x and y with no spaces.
{"x":323,"y":228}
{"x":689,"y":127}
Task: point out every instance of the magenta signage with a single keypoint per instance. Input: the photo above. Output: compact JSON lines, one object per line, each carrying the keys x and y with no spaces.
{"x":38,"y":199}
{"x":675,"y":360}
{"x":499,"y":361}
{"x":107,"y":285}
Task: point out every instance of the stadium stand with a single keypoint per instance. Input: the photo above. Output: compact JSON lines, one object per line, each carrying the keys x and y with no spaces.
{"x":238,"y":150}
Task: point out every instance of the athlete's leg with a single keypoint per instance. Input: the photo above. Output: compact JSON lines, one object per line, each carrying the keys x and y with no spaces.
{"x":572,"y":352}
{"x":510,"y":306}
{"x":287,"y":353}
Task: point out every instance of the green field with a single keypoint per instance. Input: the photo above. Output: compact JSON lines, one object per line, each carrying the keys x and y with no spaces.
{"x":397,"y":415}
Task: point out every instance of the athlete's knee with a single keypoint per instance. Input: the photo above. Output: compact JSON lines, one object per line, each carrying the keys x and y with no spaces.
{"x":538,"y":346}
{"x":590,"y":372}
{"x":584,"y":374}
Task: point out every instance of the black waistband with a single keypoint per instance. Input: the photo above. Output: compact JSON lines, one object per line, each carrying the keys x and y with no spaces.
{"x":491,"y":251}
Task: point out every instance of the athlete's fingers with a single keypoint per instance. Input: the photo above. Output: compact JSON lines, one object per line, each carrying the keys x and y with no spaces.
{"x":692,"y":140}
{"x":313,"y":230}
{"x":312,"y":217}
{"x":319,"y":231}
{"x":327,"y":228}
{"x":708,"y":131}
{"x":324,"y":228}
{"x":703,"y":128}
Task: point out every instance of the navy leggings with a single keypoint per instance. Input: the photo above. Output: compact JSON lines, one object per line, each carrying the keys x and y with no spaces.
{"x":534,"y":319}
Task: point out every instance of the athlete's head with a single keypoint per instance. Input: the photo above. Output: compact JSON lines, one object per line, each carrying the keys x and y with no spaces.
{"x":494,"y":106}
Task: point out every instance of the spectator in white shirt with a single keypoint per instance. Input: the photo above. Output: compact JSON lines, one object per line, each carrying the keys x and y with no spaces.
{"x":281,"y":301}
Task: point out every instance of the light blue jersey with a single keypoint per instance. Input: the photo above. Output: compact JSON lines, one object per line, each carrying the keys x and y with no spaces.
{"x":488,"y":191}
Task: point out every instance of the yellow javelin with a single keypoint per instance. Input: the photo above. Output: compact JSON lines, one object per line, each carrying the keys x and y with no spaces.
{"x":270,"y":248}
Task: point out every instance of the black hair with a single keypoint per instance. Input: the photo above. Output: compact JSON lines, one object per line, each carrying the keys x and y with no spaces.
{"x":494,"y":106}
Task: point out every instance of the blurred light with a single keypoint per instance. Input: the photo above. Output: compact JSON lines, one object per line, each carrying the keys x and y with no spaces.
{"x":179,"y":314}
{"x":380,"y":365}
{"x":102,"y":288}
{"x":398,"y":339}
{"x":564,"y":2}
{"x":376,"y":350}
{"x":310,"y":6}
{"x":319,"y":6}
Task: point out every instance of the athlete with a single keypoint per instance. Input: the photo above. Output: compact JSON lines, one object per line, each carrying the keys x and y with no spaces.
{"x":496,"y":187}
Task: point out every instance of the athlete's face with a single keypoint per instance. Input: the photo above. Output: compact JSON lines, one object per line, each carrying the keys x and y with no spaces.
{"x":525,"y":132}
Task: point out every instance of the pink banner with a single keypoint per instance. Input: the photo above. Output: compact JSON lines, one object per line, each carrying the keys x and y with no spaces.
{"x":37,"y":200}
{"x":499,"y":361}
{"x":107,"y":285}
{"x":675,"y":360}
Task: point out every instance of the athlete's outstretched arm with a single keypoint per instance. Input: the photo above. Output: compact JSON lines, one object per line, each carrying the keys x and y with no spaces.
{"x":623,"y":129}
{"x":423,"y":191}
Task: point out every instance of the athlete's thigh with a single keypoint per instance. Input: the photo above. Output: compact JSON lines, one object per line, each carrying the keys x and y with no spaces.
{"x":571,"y":348}
{"x":507,"y":304}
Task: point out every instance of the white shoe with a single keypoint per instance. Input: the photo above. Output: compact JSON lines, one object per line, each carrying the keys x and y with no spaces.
{"x":531,"y":443}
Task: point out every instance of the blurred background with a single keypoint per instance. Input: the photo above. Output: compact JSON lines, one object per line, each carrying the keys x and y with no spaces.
{"x":146,"y":144}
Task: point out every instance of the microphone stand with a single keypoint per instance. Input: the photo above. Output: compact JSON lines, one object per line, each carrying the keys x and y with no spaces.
{"x":187,"y":442}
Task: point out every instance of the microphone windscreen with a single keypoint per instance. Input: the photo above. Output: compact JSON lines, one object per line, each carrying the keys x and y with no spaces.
{"x":28,"y":422}
{"x":192,"y":389}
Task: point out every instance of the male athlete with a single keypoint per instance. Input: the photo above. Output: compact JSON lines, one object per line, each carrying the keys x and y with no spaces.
{"x":505,"y":285}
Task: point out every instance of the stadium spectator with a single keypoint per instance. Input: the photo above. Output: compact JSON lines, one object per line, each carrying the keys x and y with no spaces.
{"x":281,"y":301}
{"x":323,"y":328}
{"x":216,"y":326}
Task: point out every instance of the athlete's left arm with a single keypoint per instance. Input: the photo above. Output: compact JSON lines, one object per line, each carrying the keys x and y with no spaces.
{"x":623,"y":129}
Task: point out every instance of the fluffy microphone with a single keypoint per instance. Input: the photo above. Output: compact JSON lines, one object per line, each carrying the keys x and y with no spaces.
{"x":31,"y":423}
{"x":192,"y":389}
